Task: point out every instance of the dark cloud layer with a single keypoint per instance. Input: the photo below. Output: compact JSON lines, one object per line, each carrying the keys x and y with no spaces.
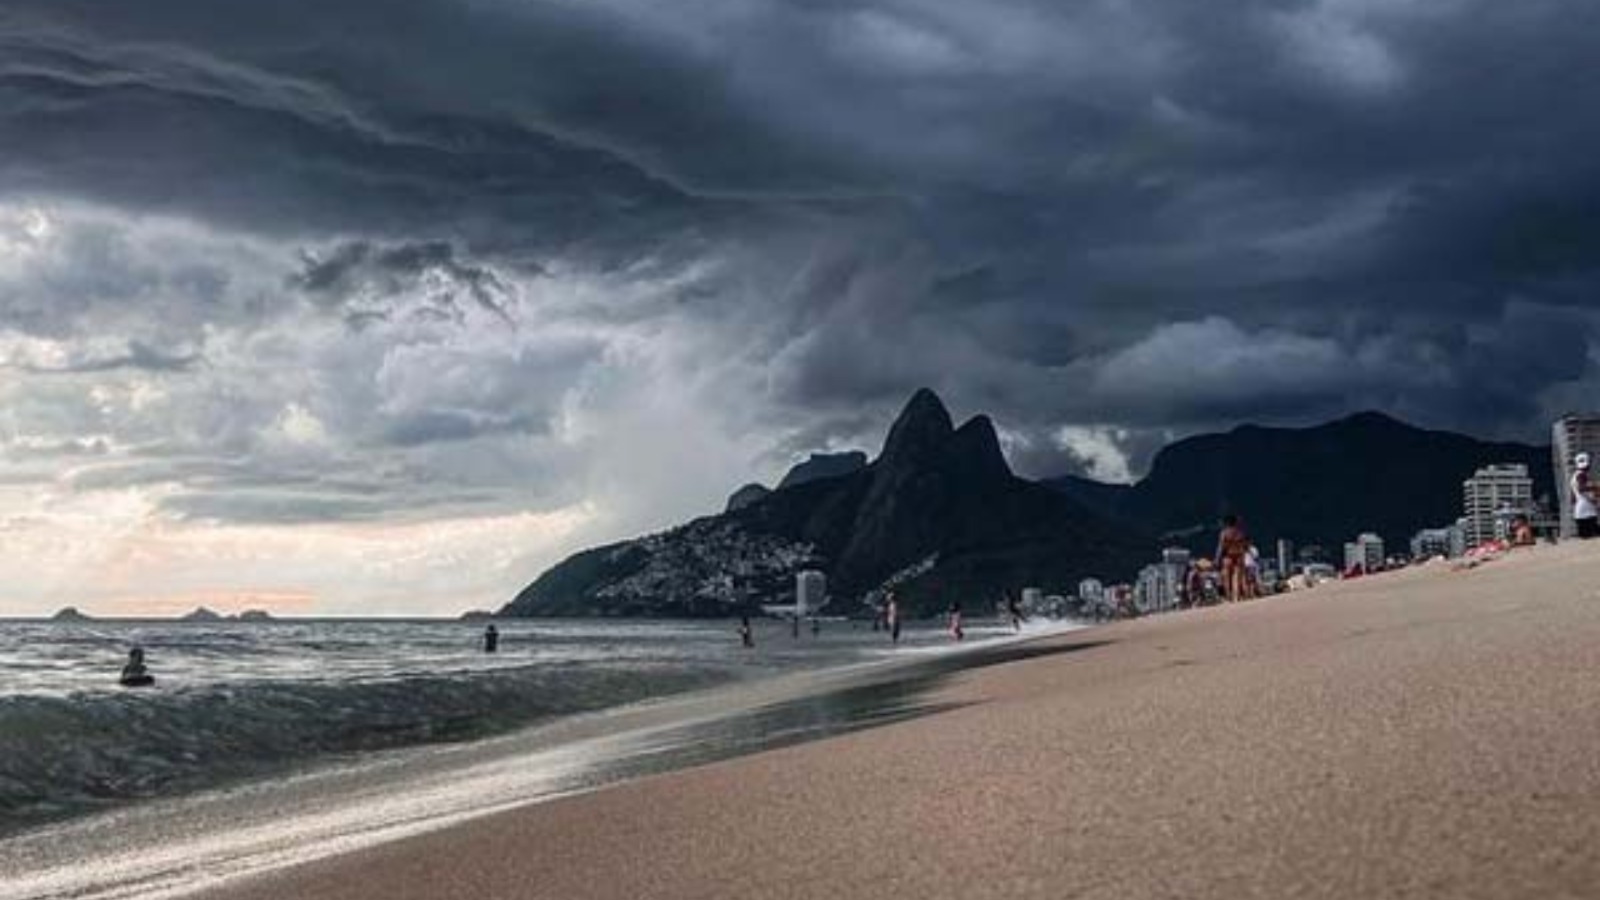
{"x":1105,"y":223}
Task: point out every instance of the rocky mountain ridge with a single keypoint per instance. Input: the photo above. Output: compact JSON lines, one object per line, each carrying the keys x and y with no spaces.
{"x":938,"y":514}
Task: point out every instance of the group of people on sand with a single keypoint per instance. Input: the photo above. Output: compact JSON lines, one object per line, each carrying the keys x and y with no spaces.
{"x":1232,"y":574}
{"x":1238,"y":562}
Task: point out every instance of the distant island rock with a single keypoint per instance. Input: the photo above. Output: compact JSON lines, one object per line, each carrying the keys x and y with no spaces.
{"x":70,"y":614}
{"x":477,"y":615}
{"x":255,"y":615}
{"x":201,"y":614}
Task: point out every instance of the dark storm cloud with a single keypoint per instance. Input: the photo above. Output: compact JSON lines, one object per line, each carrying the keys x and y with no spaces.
{"x":1142,"y":217}
{"x":358,"y":267}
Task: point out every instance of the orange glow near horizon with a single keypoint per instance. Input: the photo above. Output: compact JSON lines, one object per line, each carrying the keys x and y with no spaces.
{"x":116,"y":555}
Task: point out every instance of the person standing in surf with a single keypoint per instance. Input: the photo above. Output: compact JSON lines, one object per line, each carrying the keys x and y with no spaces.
{"x":746,"y":636}
{"x":956,"y":631}
{"x":1232,"y":547}
{"x":891,"y":617}
{"x":1585,"y":511}
{"x":1014,"y":610}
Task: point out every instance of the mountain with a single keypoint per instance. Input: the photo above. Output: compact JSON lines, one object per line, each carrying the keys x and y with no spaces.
{"x":747,"y":495}
{"x":938,"y":515}
{"x":817,"y":467}
{"x":1320,"y":485}
{"x":70,"y":614}
{"x":824,"y":465}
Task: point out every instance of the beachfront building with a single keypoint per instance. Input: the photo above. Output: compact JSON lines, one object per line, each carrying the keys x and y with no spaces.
{"x":1494,"y":492}
{"x":1571,"y":434}
{"x":1364,"y":553}
{"x":1449,"y":542}
{"x":1091,"y":591}
{"x":810,"y":592}
{"x":1160,"y":586}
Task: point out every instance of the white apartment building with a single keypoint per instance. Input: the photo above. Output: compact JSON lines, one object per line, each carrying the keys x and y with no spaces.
{"x":810,"y":592}
{"x":1449,"y":542}
{"x":1160,"y":585}
{"x":1364,"y":553}
{"x":1491,"y":492}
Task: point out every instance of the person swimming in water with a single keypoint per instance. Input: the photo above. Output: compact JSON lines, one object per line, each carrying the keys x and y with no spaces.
{"x":135,"y":674}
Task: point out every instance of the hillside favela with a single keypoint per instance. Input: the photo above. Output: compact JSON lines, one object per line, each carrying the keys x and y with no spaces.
{"x":895,"y":450}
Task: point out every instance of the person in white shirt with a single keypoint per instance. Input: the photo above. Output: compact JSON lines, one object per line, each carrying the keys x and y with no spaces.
{"x":1584,"y":511}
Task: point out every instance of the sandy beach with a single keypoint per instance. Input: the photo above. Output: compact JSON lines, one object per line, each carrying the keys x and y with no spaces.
{"x":1428,"y":733}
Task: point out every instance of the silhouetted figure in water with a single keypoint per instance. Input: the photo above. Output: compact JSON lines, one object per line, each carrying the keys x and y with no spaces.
{"x":746,"y":637}
{"x":956,"y":631}
{"x":491,"y":639}
{"x":891,"y":618}
{"x":134,"y":674}
{"x":1014,"y":610}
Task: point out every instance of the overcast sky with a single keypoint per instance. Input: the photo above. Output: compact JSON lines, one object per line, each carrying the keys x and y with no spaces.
{"x":385,"y":305}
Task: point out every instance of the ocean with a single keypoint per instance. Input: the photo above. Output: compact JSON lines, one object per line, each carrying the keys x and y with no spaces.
{"x":268,"y":743}
{"x":239,"y":705}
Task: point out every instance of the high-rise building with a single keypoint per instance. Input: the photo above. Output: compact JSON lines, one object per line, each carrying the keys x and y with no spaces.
{"x":1091,"y":590}
{"x":1160,"y":585}
{"x":1494,"y":491}
{"x":1571,"y":434}
{"x":1364,"y":553}
{"x":1449,"y":542}
{"x":810,"y":592}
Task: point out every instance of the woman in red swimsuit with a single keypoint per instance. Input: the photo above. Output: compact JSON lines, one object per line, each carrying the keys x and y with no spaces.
{"x":1232,"y":547}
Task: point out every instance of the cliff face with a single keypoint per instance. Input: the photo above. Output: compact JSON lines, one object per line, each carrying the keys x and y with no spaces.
{"x":1323,"y":485}
{"x":938,"y":514}
{"x":824,"y":465}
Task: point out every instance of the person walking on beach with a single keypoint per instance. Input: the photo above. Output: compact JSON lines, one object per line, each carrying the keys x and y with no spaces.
{"x":1585,"y":512}
{"x":1232,"y":546}
{"x":956,"y":631}
{"x":891,"y":617}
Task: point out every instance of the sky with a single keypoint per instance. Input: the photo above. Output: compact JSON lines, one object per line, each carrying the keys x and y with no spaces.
{"x":383,"y":306}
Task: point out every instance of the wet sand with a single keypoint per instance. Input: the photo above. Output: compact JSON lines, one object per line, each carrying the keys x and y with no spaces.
{"x":1423,"y":734}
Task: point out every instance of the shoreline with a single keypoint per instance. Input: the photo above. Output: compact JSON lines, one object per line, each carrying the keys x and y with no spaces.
{"x":1426,"y":733}
{"x":218,"y":836}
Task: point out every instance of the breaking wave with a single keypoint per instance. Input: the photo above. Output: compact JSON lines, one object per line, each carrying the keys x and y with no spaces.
{"x":63,"y":755}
